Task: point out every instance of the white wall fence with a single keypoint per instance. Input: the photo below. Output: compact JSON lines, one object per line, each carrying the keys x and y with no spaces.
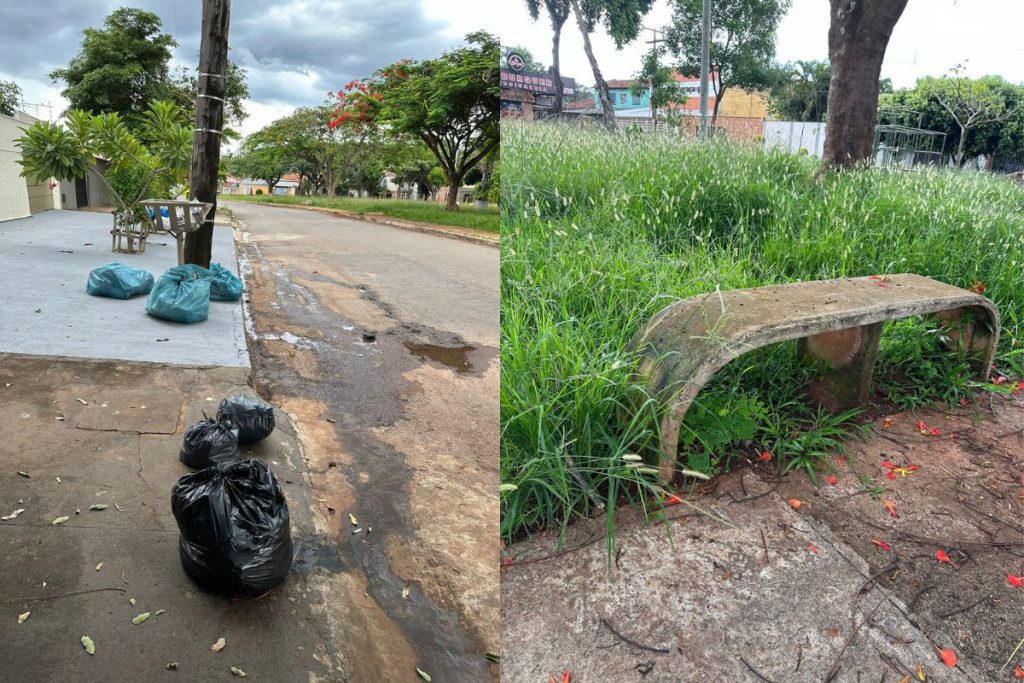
{"x":794,"y":136}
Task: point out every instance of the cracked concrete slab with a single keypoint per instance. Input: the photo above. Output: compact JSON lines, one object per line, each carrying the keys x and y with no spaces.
{"x":141,"y":410}
{"x":45,"y":262}
{"x":51,"y":570}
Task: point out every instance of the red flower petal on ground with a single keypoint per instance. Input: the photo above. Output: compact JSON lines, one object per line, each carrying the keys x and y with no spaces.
{"x":912,"y":468}
{"x":891,"y":507}
{"x":882,"y":544}
{"x":1018,"y":672}
{"x":794,"y":503}
{"x":999,"y":380}
{"x":831,"y":481}
{"x":1015,"y":581}
{"x":964,"y":401}
{"x":948,"y":657}
{"x":672,"y":500}
{"x":886,"y":463}
{"x":935,"y":431}
{"x":941,"y":556}
{"x":813,"y":548}
{"x":921,"y":426}
{"x":765,"y":456}
{"x":566,"y":676}
{"x":891,"y":474}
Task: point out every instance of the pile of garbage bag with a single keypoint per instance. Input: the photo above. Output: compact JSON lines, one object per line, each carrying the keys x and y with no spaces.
{"x":210,"y":442}
{"x":119,"y":281}
{"x":182,"y":294}
{"x":235,"y":533}
{"x":253,"y":417}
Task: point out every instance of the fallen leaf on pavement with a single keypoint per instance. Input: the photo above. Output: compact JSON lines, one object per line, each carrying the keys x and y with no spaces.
{"x":352,"y":518}
{"x":219,"y":645}
{"x":60,"y":520}
{"x":1015,"y":581}
{"x":13,"y":514}
{"x":82,"y":401}
{"x":172,"y":666}
{"x":96,"y":507}
{"x":423,"y":674}
{"x":405,"y":592}
{"x":920,"y":671}
{"x":948,"y":657}
{"x":89,"y":646}
{"x":794,"y":503}
{"x":141,"y":618}
{"x":890,"y":506}
{"x":99,"y":566}
{"x":237,"y":672}
{"x":22,"y":617}
{"x":882,"y":544}
{"x":23,"y":474}
{"x":159,"y":612}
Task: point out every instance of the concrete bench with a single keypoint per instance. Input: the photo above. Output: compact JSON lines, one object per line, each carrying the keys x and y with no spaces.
{"x":838,"y":324}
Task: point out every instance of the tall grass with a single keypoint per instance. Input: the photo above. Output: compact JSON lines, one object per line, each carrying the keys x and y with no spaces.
{"x":601,"y":232}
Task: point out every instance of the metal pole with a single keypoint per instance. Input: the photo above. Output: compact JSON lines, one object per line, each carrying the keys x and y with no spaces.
{"x":705,"y":65}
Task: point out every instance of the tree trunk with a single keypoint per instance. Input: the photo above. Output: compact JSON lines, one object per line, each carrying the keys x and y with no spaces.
{"x":328,"y":182}
{"x":607,"y":108}
{"x":555,"y":68}
{"x":213,"y":57}
{"x":714,"y":111}
{"x":451,"y":201}
{"x":960,"y":148}
{"x":857,"y":38}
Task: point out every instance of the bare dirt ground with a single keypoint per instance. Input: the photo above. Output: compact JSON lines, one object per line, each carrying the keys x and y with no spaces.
{"x":759,"y":577}
{"x":382,"y":345}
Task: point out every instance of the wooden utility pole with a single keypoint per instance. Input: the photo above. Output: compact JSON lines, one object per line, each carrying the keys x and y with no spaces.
{"x":213,"y":60}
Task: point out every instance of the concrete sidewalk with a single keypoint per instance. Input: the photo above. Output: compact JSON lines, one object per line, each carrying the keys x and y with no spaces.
{"x":120,"y":448}
{"x":44,"y":264}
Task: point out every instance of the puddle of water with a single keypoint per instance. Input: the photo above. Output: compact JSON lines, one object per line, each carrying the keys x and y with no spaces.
{"x":454,"y":357}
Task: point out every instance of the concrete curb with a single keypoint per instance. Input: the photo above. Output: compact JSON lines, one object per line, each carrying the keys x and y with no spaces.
{"x":465,"y":234}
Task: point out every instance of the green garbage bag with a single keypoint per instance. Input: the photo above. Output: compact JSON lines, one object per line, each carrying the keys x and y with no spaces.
{"x":118,"y":281}
{"x":182,"y":295}
{"x":226,"y":286}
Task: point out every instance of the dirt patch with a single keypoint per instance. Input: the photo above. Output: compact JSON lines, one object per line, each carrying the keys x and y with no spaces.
{"x":745,"y":583}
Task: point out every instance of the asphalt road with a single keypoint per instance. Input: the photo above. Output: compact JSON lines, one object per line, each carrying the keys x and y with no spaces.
{"x":381,"y":343}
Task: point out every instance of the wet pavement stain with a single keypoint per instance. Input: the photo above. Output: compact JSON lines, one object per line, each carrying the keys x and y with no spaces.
{"x":362,"y":387}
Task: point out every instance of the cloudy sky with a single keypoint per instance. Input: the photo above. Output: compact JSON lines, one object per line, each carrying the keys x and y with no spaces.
{"x":931,"y":37}
{"x":294,"y":50}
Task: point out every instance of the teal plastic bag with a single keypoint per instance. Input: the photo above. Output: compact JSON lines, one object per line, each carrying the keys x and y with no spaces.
{"x":226,"y":286}
{"x":119,"y":281}
{"x":181,"y":295}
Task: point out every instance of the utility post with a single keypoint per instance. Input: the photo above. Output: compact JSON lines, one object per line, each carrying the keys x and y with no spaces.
{"x":705,"y":66}
{"x":653,"y":42}
{"x":213,"y":59}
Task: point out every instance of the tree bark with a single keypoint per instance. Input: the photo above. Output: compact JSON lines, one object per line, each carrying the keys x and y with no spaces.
{"x":452,"y":200}
{"x":555,"y":68}
{"x":607,"y":108}
{"x":857,"y":38}
{"x":213,"y":57}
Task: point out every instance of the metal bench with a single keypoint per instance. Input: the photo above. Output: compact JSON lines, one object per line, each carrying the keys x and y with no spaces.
{"x":838,"y":322}
{"x":182,"y":217}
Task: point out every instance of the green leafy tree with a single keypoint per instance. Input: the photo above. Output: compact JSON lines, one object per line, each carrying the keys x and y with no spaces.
{"x":742,"y":42}
{"x":999,"y":134}
{"x":10,"y":97}
{"x":262,"y":158}
{"x":658,"y":81}
{"x":121,"y":67}
{"x":799,"y":91}
{"x":558,"y":13}
{"x":451,"y":103}
{"x":137,"y":169}
{"x":971,"y":103}
{"x":622,"y":20}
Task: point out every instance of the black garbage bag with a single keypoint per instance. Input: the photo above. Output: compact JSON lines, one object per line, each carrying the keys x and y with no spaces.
{"x":209,"y":442}
{"x":253,"y":417}
{"x":235,"y":531}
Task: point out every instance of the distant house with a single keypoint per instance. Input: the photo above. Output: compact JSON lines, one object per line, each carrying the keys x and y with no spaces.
{"x":736,"y":102}
{"x":287,"y":185}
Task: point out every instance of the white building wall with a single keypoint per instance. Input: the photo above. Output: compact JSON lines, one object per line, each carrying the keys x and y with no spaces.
{"x":13,"y":188}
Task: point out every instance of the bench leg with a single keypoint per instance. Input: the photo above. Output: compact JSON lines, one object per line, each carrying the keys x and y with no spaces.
{"x":847,"y":362}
